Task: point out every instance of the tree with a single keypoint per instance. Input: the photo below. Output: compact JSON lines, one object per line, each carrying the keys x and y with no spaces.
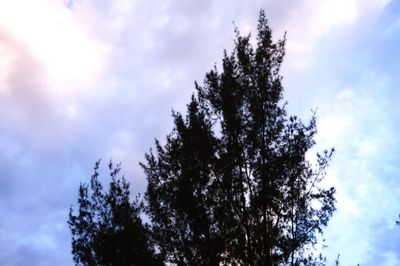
{"x":108,"y":229}
{"x":232,"y":184}
{"x":182,"y":193}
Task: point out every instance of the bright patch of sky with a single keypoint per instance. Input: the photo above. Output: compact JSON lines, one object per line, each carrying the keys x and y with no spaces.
{"x":82,"y":80}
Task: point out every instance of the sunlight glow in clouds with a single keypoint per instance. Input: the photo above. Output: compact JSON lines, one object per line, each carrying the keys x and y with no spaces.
{"x":7,"y":56}
{"x":70,"y":55}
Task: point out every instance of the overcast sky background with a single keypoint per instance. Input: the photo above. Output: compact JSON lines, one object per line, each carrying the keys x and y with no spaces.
{"x":82,"y":80}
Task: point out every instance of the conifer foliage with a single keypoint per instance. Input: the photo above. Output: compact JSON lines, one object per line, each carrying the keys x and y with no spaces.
{"x":232,"y":184}
{"x":108,"y":229}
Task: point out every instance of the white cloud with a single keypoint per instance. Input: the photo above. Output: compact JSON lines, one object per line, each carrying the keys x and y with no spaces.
{"x":313,"y":20}
{"x":71,"y":57}
{"x":356,"y":124}
{"x":391,"y":259}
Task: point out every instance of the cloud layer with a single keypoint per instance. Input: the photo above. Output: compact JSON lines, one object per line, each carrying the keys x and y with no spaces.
{"x":82,"y":80}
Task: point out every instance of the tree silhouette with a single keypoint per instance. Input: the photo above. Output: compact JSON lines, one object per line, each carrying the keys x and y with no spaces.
{"x":232,"y":184}
{"x":108,"y":229}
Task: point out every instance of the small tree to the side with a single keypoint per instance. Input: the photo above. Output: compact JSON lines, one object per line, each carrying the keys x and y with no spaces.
{"x":232,"y":185}
{"x":108,"y":230}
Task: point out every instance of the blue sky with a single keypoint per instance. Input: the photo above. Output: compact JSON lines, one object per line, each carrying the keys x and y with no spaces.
{"x":82,"y":80}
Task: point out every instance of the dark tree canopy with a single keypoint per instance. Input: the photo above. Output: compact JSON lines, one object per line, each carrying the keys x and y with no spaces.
{"x":232,"y":184}
{"x":108,"y":229}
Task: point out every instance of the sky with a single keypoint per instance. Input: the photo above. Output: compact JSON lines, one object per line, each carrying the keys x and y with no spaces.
{"x":83,"y":79}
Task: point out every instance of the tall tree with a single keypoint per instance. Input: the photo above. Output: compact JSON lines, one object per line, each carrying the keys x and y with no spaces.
{"x":108,"y":229}
{"x":181,"y":192}
{"x":232,"y":184}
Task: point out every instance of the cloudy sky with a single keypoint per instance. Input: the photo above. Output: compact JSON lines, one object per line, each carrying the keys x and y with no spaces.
{"x":82,"y":80}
